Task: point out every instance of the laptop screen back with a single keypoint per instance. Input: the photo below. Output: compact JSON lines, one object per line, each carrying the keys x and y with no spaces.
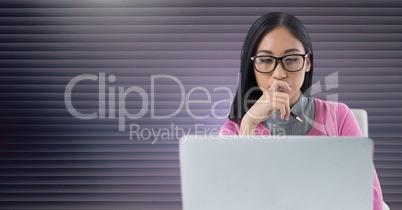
{"x":292,"y":172}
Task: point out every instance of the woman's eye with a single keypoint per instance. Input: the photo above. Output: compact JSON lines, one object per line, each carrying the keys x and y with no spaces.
{"x":266,"y":60}
{"x":291,"y":59}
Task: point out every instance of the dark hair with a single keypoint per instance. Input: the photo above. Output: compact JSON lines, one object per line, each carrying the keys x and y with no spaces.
{"x":247,"y":81}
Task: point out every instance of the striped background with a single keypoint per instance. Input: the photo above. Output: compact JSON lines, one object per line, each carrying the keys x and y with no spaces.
{"x":50,"y":159}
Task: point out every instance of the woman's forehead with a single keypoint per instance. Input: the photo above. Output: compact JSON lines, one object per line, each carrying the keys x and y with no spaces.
{"x":280,"y":41}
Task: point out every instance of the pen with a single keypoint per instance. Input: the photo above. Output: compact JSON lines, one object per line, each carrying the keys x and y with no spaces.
{"x":296,"y":117}
{"x":291,"y":113}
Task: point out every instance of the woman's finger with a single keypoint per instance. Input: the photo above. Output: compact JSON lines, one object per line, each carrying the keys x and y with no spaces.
{"x":280,"y":86}
{"x":280,"y":101}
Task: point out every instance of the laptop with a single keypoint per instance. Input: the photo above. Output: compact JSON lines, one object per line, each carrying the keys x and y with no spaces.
{"x":276,"y":173}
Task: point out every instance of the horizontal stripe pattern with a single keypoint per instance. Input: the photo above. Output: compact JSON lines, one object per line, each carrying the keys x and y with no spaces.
{"x":53,"y":160}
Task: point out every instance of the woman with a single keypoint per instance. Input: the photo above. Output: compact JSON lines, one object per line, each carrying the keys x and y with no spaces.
{"x":273,"y":95}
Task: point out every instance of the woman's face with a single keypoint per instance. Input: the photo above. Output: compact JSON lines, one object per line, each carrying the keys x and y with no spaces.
{"x":280,"y":42}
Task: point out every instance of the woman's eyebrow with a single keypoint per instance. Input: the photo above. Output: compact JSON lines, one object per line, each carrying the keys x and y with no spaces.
{"x":264,"y":51}
{"x":285,"y":52}
{"x":291,"y":50}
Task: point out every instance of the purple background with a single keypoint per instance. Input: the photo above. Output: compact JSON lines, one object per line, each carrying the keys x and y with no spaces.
{"x":52,"y":160}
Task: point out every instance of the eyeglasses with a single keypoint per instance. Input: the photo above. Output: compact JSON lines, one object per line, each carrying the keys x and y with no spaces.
{"x":267,"y":64}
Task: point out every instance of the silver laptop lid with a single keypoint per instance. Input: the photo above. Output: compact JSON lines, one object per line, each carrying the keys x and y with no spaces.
{"x":292,"y":172}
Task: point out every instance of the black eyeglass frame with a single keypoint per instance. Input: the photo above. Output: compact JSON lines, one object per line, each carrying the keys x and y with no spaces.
{"x":304,"y":56}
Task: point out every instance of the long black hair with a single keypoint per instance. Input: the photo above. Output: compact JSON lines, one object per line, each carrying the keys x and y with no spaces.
{"x":247,"y":90}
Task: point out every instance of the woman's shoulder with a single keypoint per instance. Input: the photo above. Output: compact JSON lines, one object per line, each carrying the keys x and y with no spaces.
{"x":230,"y":127}
{"x":322,"y":105}
{"x":335,"y":117}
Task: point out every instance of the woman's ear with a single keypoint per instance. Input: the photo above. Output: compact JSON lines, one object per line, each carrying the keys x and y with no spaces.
{"x":308,"y":63}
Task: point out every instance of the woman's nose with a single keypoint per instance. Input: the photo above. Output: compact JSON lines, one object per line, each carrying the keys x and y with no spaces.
{"x":279,"y":72}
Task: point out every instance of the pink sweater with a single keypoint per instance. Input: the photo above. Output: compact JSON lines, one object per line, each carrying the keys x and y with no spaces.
{"x":331,"y":119}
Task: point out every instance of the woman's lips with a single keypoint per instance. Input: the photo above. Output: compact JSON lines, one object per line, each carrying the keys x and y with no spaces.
{"x":282,"y":89}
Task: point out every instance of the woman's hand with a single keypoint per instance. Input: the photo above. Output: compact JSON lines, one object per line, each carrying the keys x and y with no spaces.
{"x":275,"y":98}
